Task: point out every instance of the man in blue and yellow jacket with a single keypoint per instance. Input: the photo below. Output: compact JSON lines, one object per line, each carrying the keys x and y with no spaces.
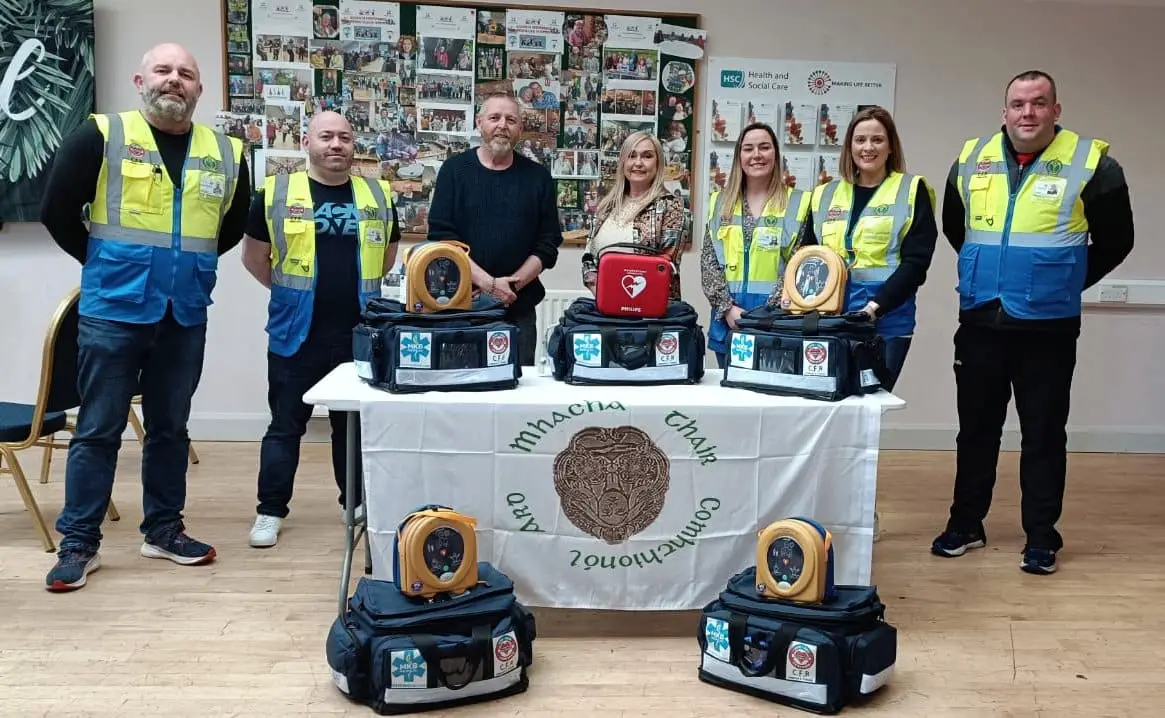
{"x":320,"y":240}
{"x":166,"y":197}
{"x":1021,"y":208}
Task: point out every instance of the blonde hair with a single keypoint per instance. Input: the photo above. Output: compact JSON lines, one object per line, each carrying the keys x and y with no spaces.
{"x":895,"y":162}
{"x":617,"y":198}
{"x":775,"y":193}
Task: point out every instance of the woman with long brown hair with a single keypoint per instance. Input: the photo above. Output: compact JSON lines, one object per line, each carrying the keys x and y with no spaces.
{"x":880,"y":219}
{"x":638,"y":210}
{"x":753,"y":227}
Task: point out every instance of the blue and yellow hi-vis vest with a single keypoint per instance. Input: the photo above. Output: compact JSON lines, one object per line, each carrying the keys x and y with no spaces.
{"x":153,"y":245}
{"x":873,"y":248}
{"x":292,"y":228}
{"x":1026,"y":246}
{"x":754,"y":270}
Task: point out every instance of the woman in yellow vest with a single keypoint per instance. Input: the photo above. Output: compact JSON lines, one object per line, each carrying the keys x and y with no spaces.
{"x":753,"y":227}
{"x":880,"y":219}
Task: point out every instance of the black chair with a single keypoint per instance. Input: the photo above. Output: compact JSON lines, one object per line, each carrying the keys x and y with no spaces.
{"x":23,"y":426}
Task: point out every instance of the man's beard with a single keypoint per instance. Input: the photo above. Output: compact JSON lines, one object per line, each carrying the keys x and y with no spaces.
{"x":166,"y":108}
{"x":500,"y":145}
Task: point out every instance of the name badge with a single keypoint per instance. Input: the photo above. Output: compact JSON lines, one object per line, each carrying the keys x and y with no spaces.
{"x":211,"y":186}
{"x":1049,"y":189}
{"x":374,"y":236}
{"x":767,"y":237}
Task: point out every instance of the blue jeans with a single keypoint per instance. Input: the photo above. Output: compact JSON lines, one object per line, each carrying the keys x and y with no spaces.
{"x":896,"y":350}
{"x":115,"y":360}
{"x":288,"y":379}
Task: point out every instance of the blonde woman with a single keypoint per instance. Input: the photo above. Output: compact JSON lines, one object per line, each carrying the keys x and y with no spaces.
{"x":637,"y":210}
{"x":753,"y":227}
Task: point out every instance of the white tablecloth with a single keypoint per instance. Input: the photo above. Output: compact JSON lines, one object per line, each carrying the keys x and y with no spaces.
{"x":618,"y":497}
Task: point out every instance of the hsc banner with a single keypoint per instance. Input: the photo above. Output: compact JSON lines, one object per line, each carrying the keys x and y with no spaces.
{"x":46,"y":91}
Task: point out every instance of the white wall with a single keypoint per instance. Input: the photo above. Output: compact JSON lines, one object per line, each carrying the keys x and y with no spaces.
{"x":953,"y":60}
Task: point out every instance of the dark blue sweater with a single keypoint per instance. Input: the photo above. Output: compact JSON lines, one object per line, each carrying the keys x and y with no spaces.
{"x":503,"y":215}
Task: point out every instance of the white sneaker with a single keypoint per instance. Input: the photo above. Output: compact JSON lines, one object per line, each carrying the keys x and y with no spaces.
{"x":358,"y":514}
{"x":265,"y":532}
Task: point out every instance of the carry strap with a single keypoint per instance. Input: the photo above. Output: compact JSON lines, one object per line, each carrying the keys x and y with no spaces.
{"x":630,"y":357}
{"x":778,"y":647}
{"x":480,"y":648}
{"x":810,"y":323}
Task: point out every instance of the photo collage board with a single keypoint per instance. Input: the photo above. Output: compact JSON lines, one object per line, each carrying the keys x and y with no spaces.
{"x":411,"y":77}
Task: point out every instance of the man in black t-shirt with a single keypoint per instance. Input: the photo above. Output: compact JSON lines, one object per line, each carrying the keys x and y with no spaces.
{"x":316,"y":298}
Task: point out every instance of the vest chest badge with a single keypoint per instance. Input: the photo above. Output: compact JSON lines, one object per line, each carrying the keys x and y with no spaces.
{"x":368,"y":213}
{"x":983,"y":167}
{"x":834,"y":212}
{"x":374,"y":236}
{"x":210,"y":164}
{"x":136,"y":152}
{"x":296,"y":211}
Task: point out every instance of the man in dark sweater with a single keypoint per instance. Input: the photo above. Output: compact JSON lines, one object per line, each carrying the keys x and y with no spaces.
{"x":1048,"y":216}
{"x":502,"y":205}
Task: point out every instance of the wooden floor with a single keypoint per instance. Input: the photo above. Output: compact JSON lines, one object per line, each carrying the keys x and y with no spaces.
{"x":245,"y":636}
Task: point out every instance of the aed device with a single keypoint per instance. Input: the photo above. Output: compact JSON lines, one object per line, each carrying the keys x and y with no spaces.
{"x":437,"y":277}
{"x":794,"y":562}
{"x":436,"y":553}
{"x":815,"y":281}
{"x":632,"y":285}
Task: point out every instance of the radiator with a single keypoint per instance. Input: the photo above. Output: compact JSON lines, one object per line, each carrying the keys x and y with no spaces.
{"x":550,"y":310}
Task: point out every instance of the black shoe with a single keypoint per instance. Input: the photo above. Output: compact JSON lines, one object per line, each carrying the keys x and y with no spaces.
{"x":176,"y":546}
{"x":73,"y":565}
{"x":957,"y":543}
{"x":1040,"y":561}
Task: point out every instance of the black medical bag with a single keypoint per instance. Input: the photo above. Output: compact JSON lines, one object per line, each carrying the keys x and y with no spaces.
{"x":587,"y":347}
{"x":401,"y":655}
{"x":809,"y":355}
{"x":818,"y":658}
{"x":452,"y":350}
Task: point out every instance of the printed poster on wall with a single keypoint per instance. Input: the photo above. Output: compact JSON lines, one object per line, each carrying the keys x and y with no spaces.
{"x":809,"y":105}
{"x":46,"y":92}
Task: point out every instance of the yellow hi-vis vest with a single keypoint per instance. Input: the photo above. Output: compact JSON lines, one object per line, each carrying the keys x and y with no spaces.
{"x":1026,"y":245}
{"x":752,"y":272}
{"x":292,"y":228}
{"x":873,"y":249}
{"x":151,"y":245}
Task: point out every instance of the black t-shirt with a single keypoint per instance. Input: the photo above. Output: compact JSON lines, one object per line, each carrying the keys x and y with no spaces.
{"x":337,"y":299}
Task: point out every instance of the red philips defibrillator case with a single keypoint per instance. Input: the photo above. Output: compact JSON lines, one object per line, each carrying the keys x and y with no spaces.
{"x":633,"y":285}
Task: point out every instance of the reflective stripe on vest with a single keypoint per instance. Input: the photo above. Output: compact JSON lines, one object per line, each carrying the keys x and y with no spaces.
{"x":277,"y":212}
{"x":116,"y":151}
{"x":1077,"y":175}
{"x":900,"y":213}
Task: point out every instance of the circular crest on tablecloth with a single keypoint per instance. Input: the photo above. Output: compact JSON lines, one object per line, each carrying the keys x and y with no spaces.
{"x":611,"y":481}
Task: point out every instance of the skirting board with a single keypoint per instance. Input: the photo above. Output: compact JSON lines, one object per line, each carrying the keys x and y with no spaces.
{"x":1127,"y":440}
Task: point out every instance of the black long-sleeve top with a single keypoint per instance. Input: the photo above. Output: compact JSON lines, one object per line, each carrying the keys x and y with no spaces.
{"x":1107,"y":208}
{"x":504,"y":216}
{"x":915,"y":251}
{"x":72,"y":183}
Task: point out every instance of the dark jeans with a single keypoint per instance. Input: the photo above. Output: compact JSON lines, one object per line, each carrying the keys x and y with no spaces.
{"x":896,"y":350}
{"x":162,"y":362}
{"x":721,"y":359}
{"x":989,"y":364}
{"x":527,"y":321}
{"x":288,"y":379}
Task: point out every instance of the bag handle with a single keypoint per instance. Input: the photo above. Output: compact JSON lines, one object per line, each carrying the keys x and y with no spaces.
{"x":640,"y":249}
{"x":778,"y":647}
{"x":634,"y":357}
{"x":479,"y":649}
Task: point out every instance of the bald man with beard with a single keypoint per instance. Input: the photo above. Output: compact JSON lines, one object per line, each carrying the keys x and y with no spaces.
{"x":320,"y":240}
{"x":167,"y":196}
